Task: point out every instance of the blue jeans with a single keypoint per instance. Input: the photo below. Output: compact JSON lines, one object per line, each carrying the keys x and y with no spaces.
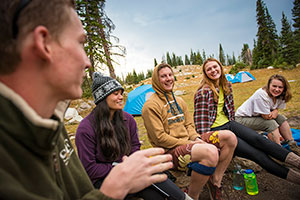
{"x":257,"y":148}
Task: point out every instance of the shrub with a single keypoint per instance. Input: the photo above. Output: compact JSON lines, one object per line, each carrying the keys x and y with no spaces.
{"x":237,"y":67}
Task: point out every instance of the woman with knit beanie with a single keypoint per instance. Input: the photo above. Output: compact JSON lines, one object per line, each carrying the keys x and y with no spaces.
{"x":108,"y":134}
{"x":214,"y":110}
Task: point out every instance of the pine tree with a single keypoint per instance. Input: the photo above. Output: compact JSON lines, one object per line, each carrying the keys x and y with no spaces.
{"x":265,"y":51}
{"x":174,"y":60}
{"x":149,"y":73}
{"x":273,"y":37}
{"x":221,"y":55}
{"x":203,"y":55}
{"x":186,"y":60}
{"x":199,"y":60}
{"x":155,"y":62}
{"x":296,"y":25}
{"x":288,"y":51}
{"x":169,"y":60}
{"x":135,"y":77}
{"x":163,"y":59}
{"x":98,"y":28}
{"x":233,"y":59}
{"x":192,"y":58}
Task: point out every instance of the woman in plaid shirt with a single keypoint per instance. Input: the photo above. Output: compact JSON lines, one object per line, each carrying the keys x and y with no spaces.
{"x":214,"y":110}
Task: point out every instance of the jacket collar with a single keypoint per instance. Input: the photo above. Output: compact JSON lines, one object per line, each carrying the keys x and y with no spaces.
{"x":29,"y":113}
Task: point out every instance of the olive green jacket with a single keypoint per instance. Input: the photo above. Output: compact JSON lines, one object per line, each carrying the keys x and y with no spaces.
{"x":37,"y":160}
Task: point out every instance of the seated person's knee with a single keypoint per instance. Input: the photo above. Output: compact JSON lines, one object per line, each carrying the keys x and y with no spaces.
{"x":206,"y":154}
{"x":228,"y":138}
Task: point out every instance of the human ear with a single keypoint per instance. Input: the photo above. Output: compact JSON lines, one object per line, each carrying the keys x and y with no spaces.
{"x":42,"y":42}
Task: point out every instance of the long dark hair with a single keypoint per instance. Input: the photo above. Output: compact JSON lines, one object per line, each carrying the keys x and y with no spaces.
{"x":112,"y":134}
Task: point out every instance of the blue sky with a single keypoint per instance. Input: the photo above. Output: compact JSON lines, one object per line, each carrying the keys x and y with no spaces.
{"x":150,"y":28}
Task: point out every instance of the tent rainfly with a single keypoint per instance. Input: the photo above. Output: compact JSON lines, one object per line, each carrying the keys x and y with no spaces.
{"x":229,"y":77}
{"x":243,"y":76}
{"x":136,"y":99}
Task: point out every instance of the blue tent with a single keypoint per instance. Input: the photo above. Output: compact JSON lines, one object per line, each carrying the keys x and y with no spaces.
{"x":242,"y":77}
{"x":136,"y":99}
{"x":229,"y":77}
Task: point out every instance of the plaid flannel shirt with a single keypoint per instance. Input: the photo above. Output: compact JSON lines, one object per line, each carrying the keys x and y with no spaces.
{"x":205,"y":109}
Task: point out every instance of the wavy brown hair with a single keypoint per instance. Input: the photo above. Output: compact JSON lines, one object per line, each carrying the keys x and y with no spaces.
{"x":286,"y":94}
{"x":207,"y":82}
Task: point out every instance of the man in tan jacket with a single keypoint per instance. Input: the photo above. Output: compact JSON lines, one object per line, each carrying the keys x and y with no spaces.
{"x":170,"y":126}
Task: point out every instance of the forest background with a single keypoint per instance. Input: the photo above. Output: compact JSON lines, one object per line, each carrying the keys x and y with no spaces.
{"x":270,"y":48}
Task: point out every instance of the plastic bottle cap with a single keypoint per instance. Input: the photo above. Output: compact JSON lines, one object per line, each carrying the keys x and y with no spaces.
{"x":248,"y":171}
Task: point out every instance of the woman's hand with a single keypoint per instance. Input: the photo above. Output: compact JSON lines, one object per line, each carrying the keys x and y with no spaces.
{"x":274,"y":114}
{"x":266,"y":117}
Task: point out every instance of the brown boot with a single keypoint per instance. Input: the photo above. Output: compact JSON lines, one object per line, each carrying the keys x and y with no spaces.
{"x":294,"y":147}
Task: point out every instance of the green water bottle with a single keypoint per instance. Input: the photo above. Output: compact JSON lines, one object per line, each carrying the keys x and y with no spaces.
{"x":250,"y":182}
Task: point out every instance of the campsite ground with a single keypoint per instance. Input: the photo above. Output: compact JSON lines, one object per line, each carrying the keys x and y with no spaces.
{"x":270,"y":187}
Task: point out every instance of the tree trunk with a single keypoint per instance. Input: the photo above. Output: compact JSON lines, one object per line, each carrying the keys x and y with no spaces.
{"x":106,"y":51}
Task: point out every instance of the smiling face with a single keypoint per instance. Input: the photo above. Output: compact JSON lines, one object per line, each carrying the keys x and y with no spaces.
{"x":166,"y":78}
{"x":69,"y":61}
{"x":115,"y":100}
{"x":213,"y":70}
{"x":276,"y":87}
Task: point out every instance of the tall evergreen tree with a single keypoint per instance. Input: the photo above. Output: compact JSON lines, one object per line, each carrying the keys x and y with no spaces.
{"x":155,"y":62}
{"x":288,"y":49}
{"x":169,"y":59}
{"x":233,"y":58}
{"x":203,"y":55}
{"x":221,"y":55}
{"x":163,"y":59}
{"x":135,"y":77}
{"x":98,"y":28}
{"x":186,"y":60}
{"x":174,"y":60}
{"x":265,"y":50}
{"x":149,"y":73}
{"x":272,"y":36}
{"x":199,"y":60}
{"x":296,"y":25}
{"x":192,"y":58}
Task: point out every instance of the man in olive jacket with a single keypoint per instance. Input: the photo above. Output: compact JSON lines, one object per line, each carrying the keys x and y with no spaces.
{"x":42,"y":63}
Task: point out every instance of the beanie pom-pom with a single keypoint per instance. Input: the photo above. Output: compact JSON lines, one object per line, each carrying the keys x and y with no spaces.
{"x":97,"y":75}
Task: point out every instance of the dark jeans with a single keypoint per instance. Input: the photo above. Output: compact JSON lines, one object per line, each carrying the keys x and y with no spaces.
{"x":257,"y":148}
{"x":157,"y":191}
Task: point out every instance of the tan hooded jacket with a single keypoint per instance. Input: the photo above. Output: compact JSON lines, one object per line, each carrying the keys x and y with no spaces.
{"x":167,"y":127}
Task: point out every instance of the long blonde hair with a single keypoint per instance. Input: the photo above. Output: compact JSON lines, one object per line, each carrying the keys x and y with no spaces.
{"x":207,"y":82}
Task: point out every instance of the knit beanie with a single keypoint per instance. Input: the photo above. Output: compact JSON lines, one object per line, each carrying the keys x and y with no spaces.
{"x":103,"y":86}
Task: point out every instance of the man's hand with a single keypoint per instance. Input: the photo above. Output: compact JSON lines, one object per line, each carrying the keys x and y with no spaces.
{"x":136,"y":172}
{"x":198,"y":140}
